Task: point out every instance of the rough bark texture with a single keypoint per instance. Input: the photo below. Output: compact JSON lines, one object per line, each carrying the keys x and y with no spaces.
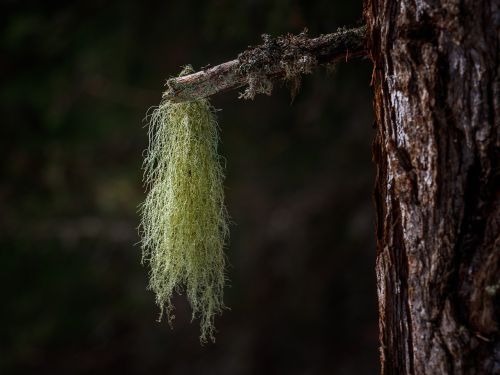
{"x":437,"y":151}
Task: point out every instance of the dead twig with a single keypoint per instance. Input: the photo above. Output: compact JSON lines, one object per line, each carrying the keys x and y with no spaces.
{"x":282,"y":58}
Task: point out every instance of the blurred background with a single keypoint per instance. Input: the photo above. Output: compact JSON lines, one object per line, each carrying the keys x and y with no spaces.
{"x":77,"y":79}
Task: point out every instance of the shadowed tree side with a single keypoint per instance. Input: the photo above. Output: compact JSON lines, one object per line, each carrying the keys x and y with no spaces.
{"x":437,"y":151}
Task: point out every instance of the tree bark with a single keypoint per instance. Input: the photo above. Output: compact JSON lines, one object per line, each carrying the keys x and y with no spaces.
{"x":437,"y":193}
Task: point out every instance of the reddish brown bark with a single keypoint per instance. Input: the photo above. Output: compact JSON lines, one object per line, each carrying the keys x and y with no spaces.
{"x":437,"y":151}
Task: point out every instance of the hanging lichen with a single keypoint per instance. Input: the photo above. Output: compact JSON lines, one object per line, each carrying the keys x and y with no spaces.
{"x":184,"y":221}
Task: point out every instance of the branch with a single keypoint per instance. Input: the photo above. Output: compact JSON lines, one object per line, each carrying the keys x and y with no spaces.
{"x":286,"y":57}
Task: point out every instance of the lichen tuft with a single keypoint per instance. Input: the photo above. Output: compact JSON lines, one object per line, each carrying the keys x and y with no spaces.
{"x":184,"y":221}
{"x":275,"y":55}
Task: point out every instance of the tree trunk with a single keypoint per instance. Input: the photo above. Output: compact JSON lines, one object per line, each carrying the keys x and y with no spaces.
{"x":437,"y":151}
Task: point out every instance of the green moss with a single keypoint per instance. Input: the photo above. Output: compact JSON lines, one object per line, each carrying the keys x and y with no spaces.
{"x":184,"y":221}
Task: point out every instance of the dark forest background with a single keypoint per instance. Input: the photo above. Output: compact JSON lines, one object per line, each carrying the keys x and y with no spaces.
{"x":77,"y":79}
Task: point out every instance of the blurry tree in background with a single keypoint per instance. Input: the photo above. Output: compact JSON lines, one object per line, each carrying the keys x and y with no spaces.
{"x":76,"y":81}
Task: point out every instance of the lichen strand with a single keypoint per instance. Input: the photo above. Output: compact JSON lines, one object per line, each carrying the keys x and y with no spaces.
{"x":263,"y":63}
{"x":184,"y":221}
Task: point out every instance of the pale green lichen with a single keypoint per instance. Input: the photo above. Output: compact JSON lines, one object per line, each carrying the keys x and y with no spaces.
{"x":184,"y":221}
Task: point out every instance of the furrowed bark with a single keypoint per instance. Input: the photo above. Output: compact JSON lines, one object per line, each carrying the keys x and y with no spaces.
{"x":284,"y":57}
{"x":437,"y":151}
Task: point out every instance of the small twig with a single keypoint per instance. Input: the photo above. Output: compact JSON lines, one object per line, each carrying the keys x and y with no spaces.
{"x":286,"y":57}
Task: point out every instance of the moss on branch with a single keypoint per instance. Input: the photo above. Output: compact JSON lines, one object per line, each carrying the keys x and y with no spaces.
{"x":257,"y":68}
